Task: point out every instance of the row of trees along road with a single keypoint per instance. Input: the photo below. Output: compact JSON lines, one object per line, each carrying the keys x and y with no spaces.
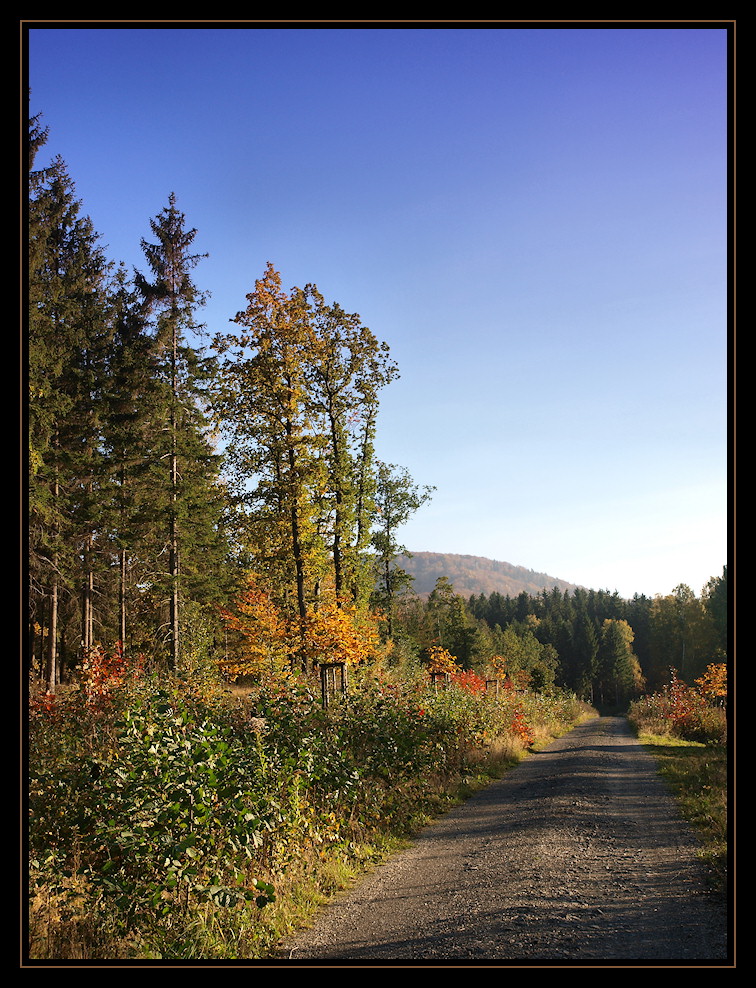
{"x":597,"y":643}
{"x":139,"y":531}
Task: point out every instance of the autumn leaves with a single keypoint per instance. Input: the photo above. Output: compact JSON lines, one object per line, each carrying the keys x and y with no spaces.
{"x":297,"y":402}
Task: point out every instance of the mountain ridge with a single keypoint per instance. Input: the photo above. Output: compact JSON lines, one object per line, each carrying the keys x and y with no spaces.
{"x":475,"y":575}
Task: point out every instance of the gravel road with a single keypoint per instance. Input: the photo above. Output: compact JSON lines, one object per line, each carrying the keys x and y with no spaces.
{"x":576,"y":855}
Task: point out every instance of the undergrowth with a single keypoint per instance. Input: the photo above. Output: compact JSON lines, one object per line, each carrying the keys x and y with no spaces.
{"x":184,"y":819}
{"x":685,"y":728}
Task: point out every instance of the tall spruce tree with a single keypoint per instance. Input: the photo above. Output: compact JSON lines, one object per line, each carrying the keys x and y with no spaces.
{"x":41,"y":500}
{"x":182,"y":460}
{"x":128,"y":443}
{"x":66,"y":339}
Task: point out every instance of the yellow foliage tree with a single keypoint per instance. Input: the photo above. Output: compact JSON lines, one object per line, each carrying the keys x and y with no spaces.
{"x":501,"y":668}
{"x":270,"y":642}
{"x":442,"y":661}
{"x":497,"y":665}
{"x":713,"y":683}
{"x":265,"y":641}
{"x":339,"y":634}
{"x":296,"y":398}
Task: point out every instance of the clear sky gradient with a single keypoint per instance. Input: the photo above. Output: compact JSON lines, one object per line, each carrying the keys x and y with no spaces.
{"x":534,"y":219}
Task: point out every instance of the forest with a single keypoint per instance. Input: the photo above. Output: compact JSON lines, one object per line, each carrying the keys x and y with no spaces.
{"x":171,"y":483}
{"x":212,"y":562}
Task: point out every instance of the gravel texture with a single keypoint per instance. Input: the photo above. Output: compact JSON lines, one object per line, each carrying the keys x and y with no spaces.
{"x":577,"y":855}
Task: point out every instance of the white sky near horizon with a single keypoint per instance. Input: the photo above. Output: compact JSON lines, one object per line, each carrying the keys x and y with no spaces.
{"x":534,"y":219}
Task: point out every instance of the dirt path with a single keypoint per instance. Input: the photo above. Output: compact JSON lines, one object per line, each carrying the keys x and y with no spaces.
{"x":578,"y":854}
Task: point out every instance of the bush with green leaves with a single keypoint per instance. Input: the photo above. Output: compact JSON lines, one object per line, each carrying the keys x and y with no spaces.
{"x":181,"y":814}
{"x":169,"y":800}
{"x":170,"y":813}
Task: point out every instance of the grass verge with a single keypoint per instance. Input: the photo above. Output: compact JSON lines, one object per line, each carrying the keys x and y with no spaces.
{"x":697,"y":774}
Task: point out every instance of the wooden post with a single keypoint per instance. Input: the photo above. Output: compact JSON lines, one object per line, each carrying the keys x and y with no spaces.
{"x":328,"y":680}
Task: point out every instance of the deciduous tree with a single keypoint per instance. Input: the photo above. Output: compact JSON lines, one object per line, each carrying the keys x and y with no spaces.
{"x":397,"y":498}
{"x":619,"y":673}
{"x":348,"y":368}
{"x":297,"y":399}
{"x":264,"y":407}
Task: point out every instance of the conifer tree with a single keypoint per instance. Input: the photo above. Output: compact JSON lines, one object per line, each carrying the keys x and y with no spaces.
{"x":66,"y":339}
{"x":715,"y":602}
{"x":128,"y":445}
{"x":40,"y":489}
{"x":585,"y":656}
{"x":183,"y":464}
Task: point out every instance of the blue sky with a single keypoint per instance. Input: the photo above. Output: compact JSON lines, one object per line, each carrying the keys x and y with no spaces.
{"x":535,"y":221}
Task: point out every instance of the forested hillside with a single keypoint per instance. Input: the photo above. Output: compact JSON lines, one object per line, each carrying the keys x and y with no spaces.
{"x":476,"y":574}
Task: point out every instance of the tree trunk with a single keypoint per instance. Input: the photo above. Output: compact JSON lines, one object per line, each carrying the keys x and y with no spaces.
{"x":86,"y":600}
{"x":174,"y":551}
{"x":51,"y":673}
{"x":122,"y":600}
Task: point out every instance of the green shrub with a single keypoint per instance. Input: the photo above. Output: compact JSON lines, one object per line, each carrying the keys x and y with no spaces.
{"x":157,"y":806}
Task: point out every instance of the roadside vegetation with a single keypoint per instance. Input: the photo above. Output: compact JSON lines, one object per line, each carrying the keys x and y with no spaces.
{"x":188,"y":819}
{"x":686,"y":729}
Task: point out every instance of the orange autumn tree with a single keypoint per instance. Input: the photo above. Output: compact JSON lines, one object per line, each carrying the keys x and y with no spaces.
{"x":270,"y":642}
{"x":497,"y":665}
{"x":500,"y":667}
{"x":335,"y":633}
{"x":713,"y":684}
{"x":263,"y":644}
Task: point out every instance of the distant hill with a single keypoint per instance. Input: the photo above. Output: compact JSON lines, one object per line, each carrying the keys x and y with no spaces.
{"x":475,"y":575}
